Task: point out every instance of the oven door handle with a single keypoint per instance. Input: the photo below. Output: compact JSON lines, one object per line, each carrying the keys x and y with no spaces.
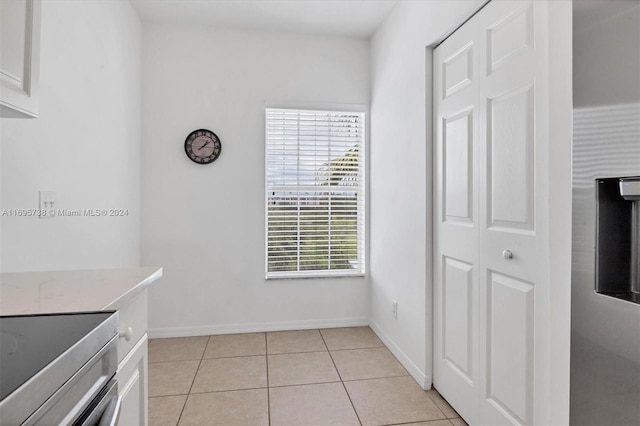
{"x":112,"y":412}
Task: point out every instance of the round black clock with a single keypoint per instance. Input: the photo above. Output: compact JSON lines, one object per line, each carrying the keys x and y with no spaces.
{"x":202,"y":146}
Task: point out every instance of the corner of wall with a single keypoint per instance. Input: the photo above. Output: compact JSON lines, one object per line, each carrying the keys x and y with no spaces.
{"x":423,"y":379}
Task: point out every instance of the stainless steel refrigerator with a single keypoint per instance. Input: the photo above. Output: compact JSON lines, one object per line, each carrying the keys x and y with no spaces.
{"x":605,"y":311}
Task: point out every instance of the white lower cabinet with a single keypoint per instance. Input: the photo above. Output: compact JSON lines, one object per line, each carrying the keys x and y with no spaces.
{"x":132,"y":386}
{"x":132,"y":366}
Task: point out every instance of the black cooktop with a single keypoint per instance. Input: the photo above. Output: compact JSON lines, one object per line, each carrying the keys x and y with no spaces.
{"x":28,"y":343}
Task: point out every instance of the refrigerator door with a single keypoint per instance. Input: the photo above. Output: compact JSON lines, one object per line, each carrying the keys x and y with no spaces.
{"x":605,"y":330}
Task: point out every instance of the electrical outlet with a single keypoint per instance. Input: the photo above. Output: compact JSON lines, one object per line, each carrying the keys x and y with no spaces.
{"x":395,"y":309}
{"x":47,"y":204}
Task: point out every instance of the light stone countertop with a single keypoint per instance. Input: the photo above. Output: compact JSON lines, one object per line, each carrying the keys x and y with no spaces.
{"x":72,"y":291}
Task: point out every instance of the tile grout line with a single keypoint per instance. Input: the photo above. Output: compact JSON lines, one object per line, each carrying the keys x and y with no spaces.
{"x":445,"y":400}
{"x":236,"y":356}
{"x":226,"y":390}
{"x":293,"y":385}
{"x":411,"y":423}
{"x":266,"y":357}
{"x":193,"y":381}
{"x":301,"y":352}
{"x":438,"y":407}
{"x":168,"y":395}
{"x":358,"y":349}
{"x":341,"y":381}
{"x":164,"y":396}
{"x":204,"y":358}
{"x":378,"y":378}
{"x":246,"y":389}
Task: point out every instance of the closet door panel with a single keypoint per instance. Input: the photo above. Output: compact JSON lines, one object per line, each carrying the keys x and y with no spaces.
{"x":510,"y":160}
{"x":456,"y":217}
{"x":510,"y":254}
{"x":510,"y":335}
{"x":457,"y":153}
{"x":458,"y":316}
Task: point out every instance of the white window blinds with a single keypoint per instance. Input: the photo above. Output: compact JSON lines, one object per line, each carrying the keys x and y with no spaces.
{"x":314,"y":193}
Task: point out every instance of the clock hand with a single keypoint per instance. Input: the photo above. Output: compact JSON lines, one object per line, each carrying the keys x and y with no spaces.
{"x":203,"y":145}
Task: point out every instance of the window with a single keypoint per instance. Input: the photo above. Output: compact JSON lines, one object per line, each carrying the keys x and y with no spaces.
{"x":314,"y":193}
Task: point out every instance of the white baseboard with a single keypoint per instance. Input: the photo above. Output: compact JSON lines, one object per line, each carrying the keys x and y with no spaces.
{"x":423,"y":380}
{"x":206,"y":330}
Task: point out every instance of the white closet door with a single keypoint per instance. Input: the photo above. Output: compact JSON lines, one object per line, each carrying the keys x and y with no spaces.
{"x":457,"y":216}
{"x":491,"y":266}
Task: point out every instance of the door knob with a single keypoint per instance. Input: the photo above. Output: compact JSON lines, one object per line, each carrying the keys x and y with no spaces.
{"x":507,"y":254}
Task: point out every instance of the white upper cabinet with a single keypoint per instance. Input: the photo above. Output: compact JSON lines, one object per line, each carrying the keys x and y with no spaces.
{"x":19,"y":57}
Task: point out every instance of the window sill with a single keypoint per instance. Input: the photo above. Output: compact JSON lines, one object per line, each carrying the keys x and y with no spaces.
{"x":312,"y":274}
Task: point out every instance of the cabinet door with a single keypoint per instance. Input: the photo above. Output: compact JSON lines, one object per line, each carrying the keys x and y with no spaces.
{"x":19,"y":57}
{"x":132,"y":386}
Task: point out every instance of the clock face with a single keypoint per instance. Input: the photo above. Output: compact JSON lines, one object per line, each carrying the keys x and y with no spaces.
{"x":202,"y":146}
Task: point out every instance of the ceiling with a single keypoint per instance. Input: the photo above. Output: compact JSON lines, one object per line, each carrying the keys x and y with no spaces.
{"x":348,"y":18}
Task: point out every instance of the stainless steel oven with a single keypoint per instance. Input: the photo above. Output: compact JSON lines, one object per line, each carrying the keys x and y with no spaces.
{"x":105,"y":409}
{"x":59,"y":369}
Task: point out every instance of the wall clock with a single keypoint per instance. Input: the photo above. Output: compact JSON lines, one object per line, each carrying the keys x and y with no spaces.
{"x":202,"y":146}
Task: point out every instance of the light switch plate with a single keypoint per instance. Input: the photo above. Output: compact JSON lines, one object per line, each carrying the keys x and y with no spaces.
{"x":47,"y":204}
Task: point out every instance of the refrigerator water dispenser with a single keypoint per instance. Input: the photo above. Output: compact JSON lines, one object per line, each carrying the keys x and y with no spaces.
{"x":618,"y":238}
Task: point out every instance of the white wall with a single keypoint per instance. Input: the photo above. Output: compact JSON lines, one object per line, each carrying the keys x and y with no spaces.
{"x":85,"y":145}
{"x":400,"y":179}
{"x":205,"y":224}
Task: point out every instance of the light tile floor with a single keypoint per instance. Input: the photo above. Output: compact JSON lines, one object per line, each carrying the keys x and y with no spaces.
{"x":340,"y":376}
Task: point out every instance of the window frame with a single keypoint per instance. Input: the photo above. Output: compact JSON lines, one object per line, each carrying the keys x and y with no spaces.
{"x":363,"y":214}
